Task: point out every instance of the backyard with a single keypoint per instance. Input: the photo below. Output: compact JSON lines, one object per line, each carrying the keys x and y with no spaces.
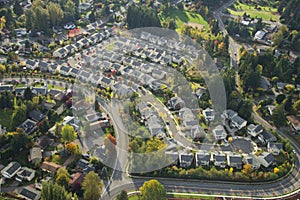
{"x":264,"y":12}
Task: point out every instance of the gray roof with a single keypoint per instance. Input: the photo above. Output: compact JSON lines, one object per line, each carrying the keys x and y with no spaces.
{"x":30,"y":193}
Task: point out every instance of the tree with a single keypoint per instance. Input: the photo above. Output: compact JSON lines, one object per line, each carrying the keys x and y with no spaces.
{"x":278,"y":116}
{"x":152,"y":190}
{"x":2,"y":22}
{"x":62,"y":177}
{"x":55,"y":13}
{"x":28,"y":94}
{"x":44,"y":126}
{"x":122,"y":196}
{"x":142,"y":17}
{"x":69,"y":11}
{"x":71,"y":147}
{"x":18,"y":116}
{"x":68,"y":134}
{"x":92,"y":186}
{"x":18,"y":10}
{"x":52,"y":191}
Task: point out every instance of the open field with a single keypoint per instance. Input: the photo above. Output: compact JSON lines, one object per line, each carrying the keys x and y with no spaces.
{"x":266,"y":13}
{"x":183,"y":17}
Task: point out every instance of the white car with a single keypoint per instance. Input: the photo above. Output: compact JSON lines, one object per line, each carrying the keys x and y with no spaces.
{"x":69,"y":26}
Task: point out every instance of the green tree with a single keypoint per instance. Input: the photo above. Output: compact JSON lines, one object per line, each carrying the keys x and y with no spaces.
{"x":153,"y":190}
{"x":55,"y":13}
{"x":69,"y":11}
{"x":68,"y":134}
{"x":18,"y":116}
{"x":122,"y":196}
{"x":278,"y":116}
{"x":62,"y":177}
{"x":52,"y":191}
{"x":28,"y":94}
{"x":92,"y":186}
{"x":18,"y":10}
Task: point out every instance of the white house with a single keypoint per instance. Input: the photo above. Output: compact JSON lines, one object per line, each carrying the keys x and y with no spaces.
{"x":11,"y":170}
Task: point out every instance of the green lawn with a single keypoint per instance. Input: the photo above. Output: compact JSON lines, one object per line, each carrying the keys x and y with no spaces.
{"x":134,"y":197}
{"x":5,"y":116}
{"x":50,"y":86}
{"x":266,"y":13}
{"x":182,"y":17}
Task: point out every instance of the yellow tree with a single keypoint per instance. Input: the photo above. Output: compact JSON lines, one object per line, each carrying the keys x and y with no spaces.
{"x":153,"y":190}
{"x":2,"y":22}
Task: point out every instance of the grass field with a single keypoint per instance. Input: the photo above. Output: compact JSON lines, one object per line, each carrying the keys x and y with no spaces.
{"x":183,"y":17}
{"x":266,"y":13}
{"x":50,"y":86}
{"x":5,"y":117}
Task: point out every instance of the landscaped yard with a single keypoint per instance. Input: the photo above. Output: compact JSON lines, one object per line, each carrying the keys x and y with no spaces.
{"x":50,"y":86}
{"x":265,"y":12}
{"x":5,"y":116}
{"x":182,"y":17}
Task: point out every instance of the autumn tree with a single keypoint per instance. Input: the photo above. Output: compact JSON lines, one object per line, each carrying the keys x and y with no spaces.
{"x":71,"y":147}
{"x":62,"y":177}
{"x":68,"y":134}
{"x":92,"y":186}
{"x":153,"y":190}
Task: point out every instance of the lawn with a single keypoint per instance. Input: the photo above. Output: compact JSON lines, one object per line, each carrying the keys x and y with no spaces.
{"x":183,"y":17}
{"x":5,"y":116}
{"x":266,"y":13}
{"x":50,"y":86}
{"x":134,"y":197}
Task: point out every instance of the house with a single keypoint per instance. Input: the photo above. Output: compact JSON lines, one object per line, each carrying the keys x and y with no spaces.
{"x":31,"y":64}
{"x":8,"y":88}
{"x":43,"y":66}
{"x":254,"y":130}
{"x":208,"y":114}
{"x":238,"y":122}
{"x":29,"y":126}
{"x":202,"y":159}
{"x":275,"y":148}
{"x":176,"y":103}
{"x":60,"y":53}
{"x":84,"y":75}
{"x":76,"y":180}
{"x":259,"y":35}
{"x":11,"y":170}
{"x":29,"y":193}
{"x":219,"y":132}
{"x":155,"y":85}
{"x":266,"y":159}
{"x":159,"y":74}
{"x":280,"y":85}
{"x":172,"y":156}
{"x":36,"y":115}
{"x":26,"y":174}
{"x":271,"y":108}
{"x":39,"y":90}
{"x":98,"y":125}
{"x":44,"y":141}
{"x":295,"y":122}
{"x":266,"y":137}
{"x":84,"y":166}
{"x":253,"y":161}
{"x":196,"y":132}
{"x":50,"y":167}
{"x":64,"y":70}
{"x":145,"y":35}
{"x":106,"y":82}
{"x":229,"y":114}
{"x":70,"y":49}
{"x":35,"y":155}
{"x":219,"y":160}
{"x":235,"y":161}
{"x":72,"y":121}
{"x":186,"y":159}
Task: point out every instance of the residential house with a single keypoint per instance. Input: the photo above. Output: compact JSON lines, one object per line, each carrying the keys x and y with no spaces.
{"x":229,"y":114}
{"x":266,"y":159}
{"x":70,"y":49}
{"x":76,"y":180}
{"x":145,"y":35}
{"x":275,"y":148}
{"x":155,"y":85}
{"x":20,"y":91}
{"x":196,"y":132}
{"x":235,"y":161}
{"x":186,"y":159}
{"x":162,"y":41}
{"x":31,"y":64}
{"x":254,"y":130}
{"x":64,"y":70}
{"x":295,"y":122}
{"x":74,"y":72}
{"x":106,"y":82}
{"x":202,"y":159}
{"x":39,"y":90}
{"x":8,"y":88}
{"x":98,"y":125}
{"x":238,"y":122}
{"x":11,"y":170}
{"x":84,"y":75}
{"x":50,"y":167}
{"x":29,"y":126}
{"x":177,"y":59}
{"x":208,"y":114}
{"x":35,"y":155}
{"x":44,"y":141}
{"x":253,"y":161}
{"x":266,"y":137}
{"x":93,"y":117}
{"x":176,"y":103}
{"x":29,"y":193}
{"x":159,"y":74}
{"x":72,"y":121}
{"x":43,"y":66}
{"x":36,"y":115}
{"x":219,"y":132}
{"x":219,"y":160}
{"x":60,"y":53}
{"x":26,"y":174}
{"x":172,"y":157}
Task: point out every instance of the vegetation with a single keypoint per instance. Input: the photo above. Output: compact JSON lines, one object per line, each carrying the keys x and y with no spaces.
{"x":122,"y":196}
{"x":141,"y":16}
{"x":52,"y":191}
{"x":152,"y":190}
{"x":92,"y":186}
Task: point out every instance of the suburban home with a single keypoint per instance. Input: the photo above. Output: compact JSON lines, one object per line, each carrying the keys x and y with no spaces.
{"x":72,"y":121}
{"x":64,"y":70}
{"x":50,"y":167}
{"x":196,"y":132}
{"x":219,"y":132}
{"x":253,"y":161}
{"x":176,"y":103}
{"x":219,"y":160}
{"x":280,"y":85}
{"x":82,"y":164}
{"x":60,"y":53}
{"x":39,"y":90}
{"x":254,"y":130}
{"x":74,"y":72}
{"x":186,"y":159}
{"x":145,"y":35}
{"x":8,"y":88}
{"x":275,"y":148}
{"x":35,"y":155}
{"x":177,"y":59}
{"x":93,"y":117}
{"x":106,"y":82}
{"x":266,"y":159}
{"x":208,"y":114}
{"x":20,"y":91}
{"x":76,"y":180}
{"x":294,"y":122}
{"x":43,"y":66}
{"x":98,"y":125}
{"x":159,"y":74}
{"x":26,"y":174}
{"x":70,"y":49}
{"x":84,"y":75}
{"x":266,"y":137}
{"x":11,"y":170}
{"x":155,"y":126}
{"x":202,"y":159}
{"x":44,"y":141}
{"x":172,"y":157}
{"x":36,"y":115}
{"x":238,"y":122}
{"x":29,"y":126}
{"x":162,"y":41}
{"x":29,"y":193}
{"x":259,"y":35}
{"x":235,"y":161}
{"x":153,"y":39}
{"x":229,"y":114}
{"x":31,"y":64}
